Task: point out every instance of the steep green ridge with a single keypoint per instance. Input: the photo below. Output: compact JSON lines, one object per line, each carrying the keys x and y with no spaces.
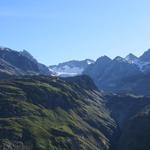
{"x":132,"y":115}
{"x":48,"y":113}
{"x":136,"y":135}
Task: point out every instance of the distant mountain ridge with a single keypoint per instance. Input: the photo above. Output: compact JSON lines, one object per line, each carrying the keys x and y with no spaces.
{"x":110,"y":74}
{"x":74,"y":67}
{"x":116,"y":75}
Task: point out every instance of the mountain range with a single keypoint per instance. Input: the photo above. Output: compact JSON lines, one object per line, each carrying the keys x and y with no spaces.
{"x":121,"y":74}
{"x":76,"y":105}
{"x":129,"y":74}
{"x":74,"y":67}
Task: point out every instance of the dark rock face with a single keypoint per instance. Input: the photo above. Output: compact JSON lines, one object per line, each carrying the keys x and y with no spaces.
{"x":97,"y":69}
{"x":18,"y":60}
{"x":129,"y":74}
{"x":109,"y":74}
{"x":20,"y":63}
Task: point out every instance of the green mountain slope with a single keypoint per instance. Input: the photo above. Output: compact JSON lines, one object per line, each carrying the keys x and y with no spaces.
{"x":48,"y":113}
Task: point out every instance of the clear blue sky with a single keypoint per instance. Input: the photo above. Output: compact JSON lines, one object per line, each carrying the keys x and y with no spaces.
{"x":58,"y":30}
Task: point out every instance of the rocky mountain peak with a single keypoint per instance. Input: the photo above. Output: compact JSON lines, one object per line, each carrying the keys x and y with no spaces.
{"x":28,"y":55}
{"x":131,"y":57}
{"x":103,"y":59}
{"x":119,"y":59}
{"x":146,"y":56}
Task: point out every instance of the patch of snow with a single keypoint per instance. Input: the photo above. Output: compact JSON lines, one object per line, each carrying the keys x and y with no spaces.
{"x":89,"y":62}
{"x":64,"y":74}
{"x":134,"y":60}
{"x":66,"y":71}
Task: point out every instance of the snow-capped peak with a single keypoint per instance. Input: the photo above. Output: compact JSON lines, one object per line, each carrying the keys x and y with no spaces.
{"x":137,"y":61}
{"x":70,"y":68}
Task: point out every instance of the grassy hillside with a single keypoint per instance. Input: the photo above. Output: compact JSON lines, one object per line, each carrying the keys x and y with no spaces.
{"x":47,"y":113}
